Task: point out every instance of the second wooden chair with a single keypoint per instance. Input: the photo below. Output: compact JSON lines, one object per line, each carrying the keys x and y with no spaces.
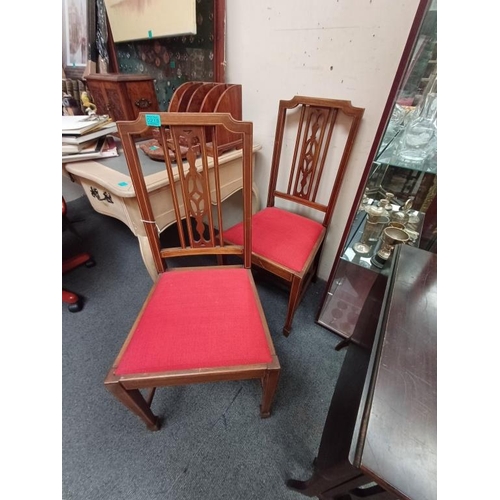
{"x":287,"y":240}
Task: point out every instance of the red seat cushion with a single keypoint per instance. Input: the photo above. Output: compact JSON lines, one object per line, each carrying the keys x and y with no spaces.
{"x":197,"y":319}
{"x":275,"y":236}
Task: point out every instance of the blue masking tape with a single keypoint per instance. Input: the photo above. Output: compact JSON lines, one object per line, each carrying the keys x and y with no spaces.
{"x":152,"y":148}
{"x":123,"y":183}
{"x":153,"y":120}
{"x":150,"y":34}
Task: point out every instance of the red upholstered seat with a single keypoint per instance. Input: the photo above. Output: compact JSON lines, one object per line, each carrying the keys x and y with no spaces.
{"x":190,"y":320}
{"x":275,"y":237}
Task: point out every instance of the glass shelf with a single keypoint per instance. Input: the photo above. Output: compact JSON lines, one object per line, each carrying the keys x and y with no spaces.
{"x":388,"y":157}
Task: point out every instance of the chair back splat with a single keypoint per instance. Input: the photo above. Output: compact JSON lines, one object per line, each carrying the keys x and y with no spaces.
{"x":203,"y":322}
{"x":287,"y":240}
{"x":191,"y":146}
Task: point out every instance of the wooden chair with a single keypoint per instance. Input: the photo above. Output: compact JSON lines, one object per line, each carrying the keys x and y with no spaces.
{"x":202,"y":323}
{"x":287,"y":240}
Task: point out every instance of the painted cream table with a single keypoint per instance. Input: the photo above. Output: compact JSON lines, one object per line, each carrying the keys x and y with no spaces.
{"x":107,"y":185}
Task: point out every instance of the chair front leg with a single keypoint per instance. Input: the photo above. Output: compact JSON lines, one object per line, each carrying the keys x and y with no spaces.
{"x":293,"y":302}
{"x":269,"y":385}
{"x":136,"y":403}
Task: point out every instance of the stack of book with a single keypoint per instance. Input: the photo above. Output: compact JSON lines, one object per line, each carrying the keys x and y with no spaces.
{"x":87,"y":137}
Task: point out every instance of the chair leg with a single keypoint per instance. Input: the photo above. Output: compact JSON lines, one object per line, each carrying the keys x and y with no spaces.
{"x":75,"y":303}
{"x":136,"y":403}
{"x":293,"y":301}
{"x":315,"y":268}
{"x":269,"y":385}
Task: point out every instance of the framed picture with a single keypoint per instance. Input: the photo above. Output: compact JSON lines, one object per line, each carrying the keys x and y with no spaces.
{"x":143,"y":19}
{"x":74,"y":33}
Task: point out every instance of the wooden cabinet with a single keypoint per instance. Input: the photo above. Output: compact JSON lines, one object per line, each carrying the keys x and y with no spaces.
{"x":122,"y":96}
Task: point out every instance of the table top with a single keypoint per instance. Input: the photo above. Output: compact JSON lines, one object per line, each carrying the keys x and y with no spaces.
{"x":395,"y":439}
{"x":113,"y":174}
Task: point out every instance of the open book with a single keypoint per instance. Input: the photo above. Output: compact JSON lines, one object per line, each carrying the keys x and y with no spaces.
{"x":105,"y":147}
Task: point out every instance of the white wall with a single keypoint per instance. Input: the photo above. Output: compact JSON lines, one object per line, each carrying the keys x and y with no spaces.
{"x":322,"y":48}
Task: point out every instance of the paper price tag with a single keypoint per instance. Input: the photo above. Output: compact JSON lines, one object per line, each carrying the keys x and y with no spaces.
{"x":153,"y":120}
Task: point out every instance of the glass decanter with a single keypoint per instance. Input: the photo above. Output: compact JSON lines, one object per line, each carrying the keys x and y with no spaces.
{"x":418,"y":141}
{"x":395,"y":124}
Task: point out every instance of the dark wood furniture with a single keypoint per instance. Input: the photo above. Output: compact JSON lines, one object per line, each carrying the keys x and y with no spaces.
{"x":287,"y":239}
{"x":122,"y":96}
{"x":202,"y":323}
{"x":380,"y":435}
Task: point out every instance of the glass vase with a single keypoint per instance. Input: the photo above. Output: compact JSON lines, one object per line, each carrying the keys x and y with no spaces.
{"x":418,"y":143}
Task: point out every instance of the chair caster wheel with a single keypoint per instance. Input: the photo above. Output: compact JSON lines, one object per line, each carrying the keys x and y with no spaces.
{"x":77,"y":306}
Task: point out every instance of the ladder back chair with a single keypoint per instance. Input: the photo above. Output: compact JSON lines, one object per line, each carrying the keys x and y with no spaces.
{"x":205,"y":322}
{"x":287,"y":240}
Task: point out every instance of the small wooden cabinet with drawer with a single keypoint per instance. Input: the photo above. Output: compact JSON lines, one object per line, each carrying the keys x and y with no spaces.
{"x":122,"y":96}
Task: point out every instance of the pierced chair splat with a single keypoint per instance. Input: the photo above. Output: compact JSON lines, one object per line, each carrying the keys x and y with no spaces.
{"x":205,"y":322}
{"x":287,"y":239}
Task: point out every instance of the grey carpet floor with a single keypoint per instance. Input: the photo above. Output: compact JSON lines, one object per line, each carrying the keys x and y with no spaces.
{"x":212,"y":444}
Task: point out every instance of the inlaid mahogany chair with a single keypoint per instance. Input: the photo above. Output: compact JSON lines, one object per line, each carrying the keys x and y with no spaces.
{"x":202,"y":323}
{"x":287,"y":239}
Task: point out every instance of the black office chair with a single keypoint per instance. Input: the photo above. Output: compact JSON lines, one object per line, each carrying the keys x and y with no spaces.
{"x":74,"y":301}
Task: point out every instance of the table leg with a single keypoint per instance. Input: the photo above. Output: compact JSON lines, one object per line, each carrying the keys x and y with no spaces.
{"x":147,"y":256}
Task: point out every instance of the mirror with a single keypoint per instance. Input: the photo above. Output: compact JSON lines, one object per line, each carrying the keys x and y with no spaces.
{"x":397,"y":199}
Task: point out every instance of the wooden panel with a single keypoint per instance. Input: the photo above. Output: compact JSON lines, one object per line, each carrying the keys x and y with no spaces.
{"x":212,"y":97}
{"x":142,"y":97}
{"x":198,"y":96}
{"x":229,"y":102}
{"x":176,"y":97}
{"x":122,"y":96}
{"x":186,"y":96}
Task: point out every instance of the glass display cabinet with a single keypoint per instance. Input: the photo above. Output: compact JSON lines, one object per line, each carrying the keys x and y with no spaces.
{"x":397,"y":199}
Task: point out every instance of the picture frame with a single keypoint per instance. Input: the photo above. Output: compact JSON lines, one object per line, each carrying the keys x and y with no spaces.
{"x":74,"y":34}
{"x":141,"y":20}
